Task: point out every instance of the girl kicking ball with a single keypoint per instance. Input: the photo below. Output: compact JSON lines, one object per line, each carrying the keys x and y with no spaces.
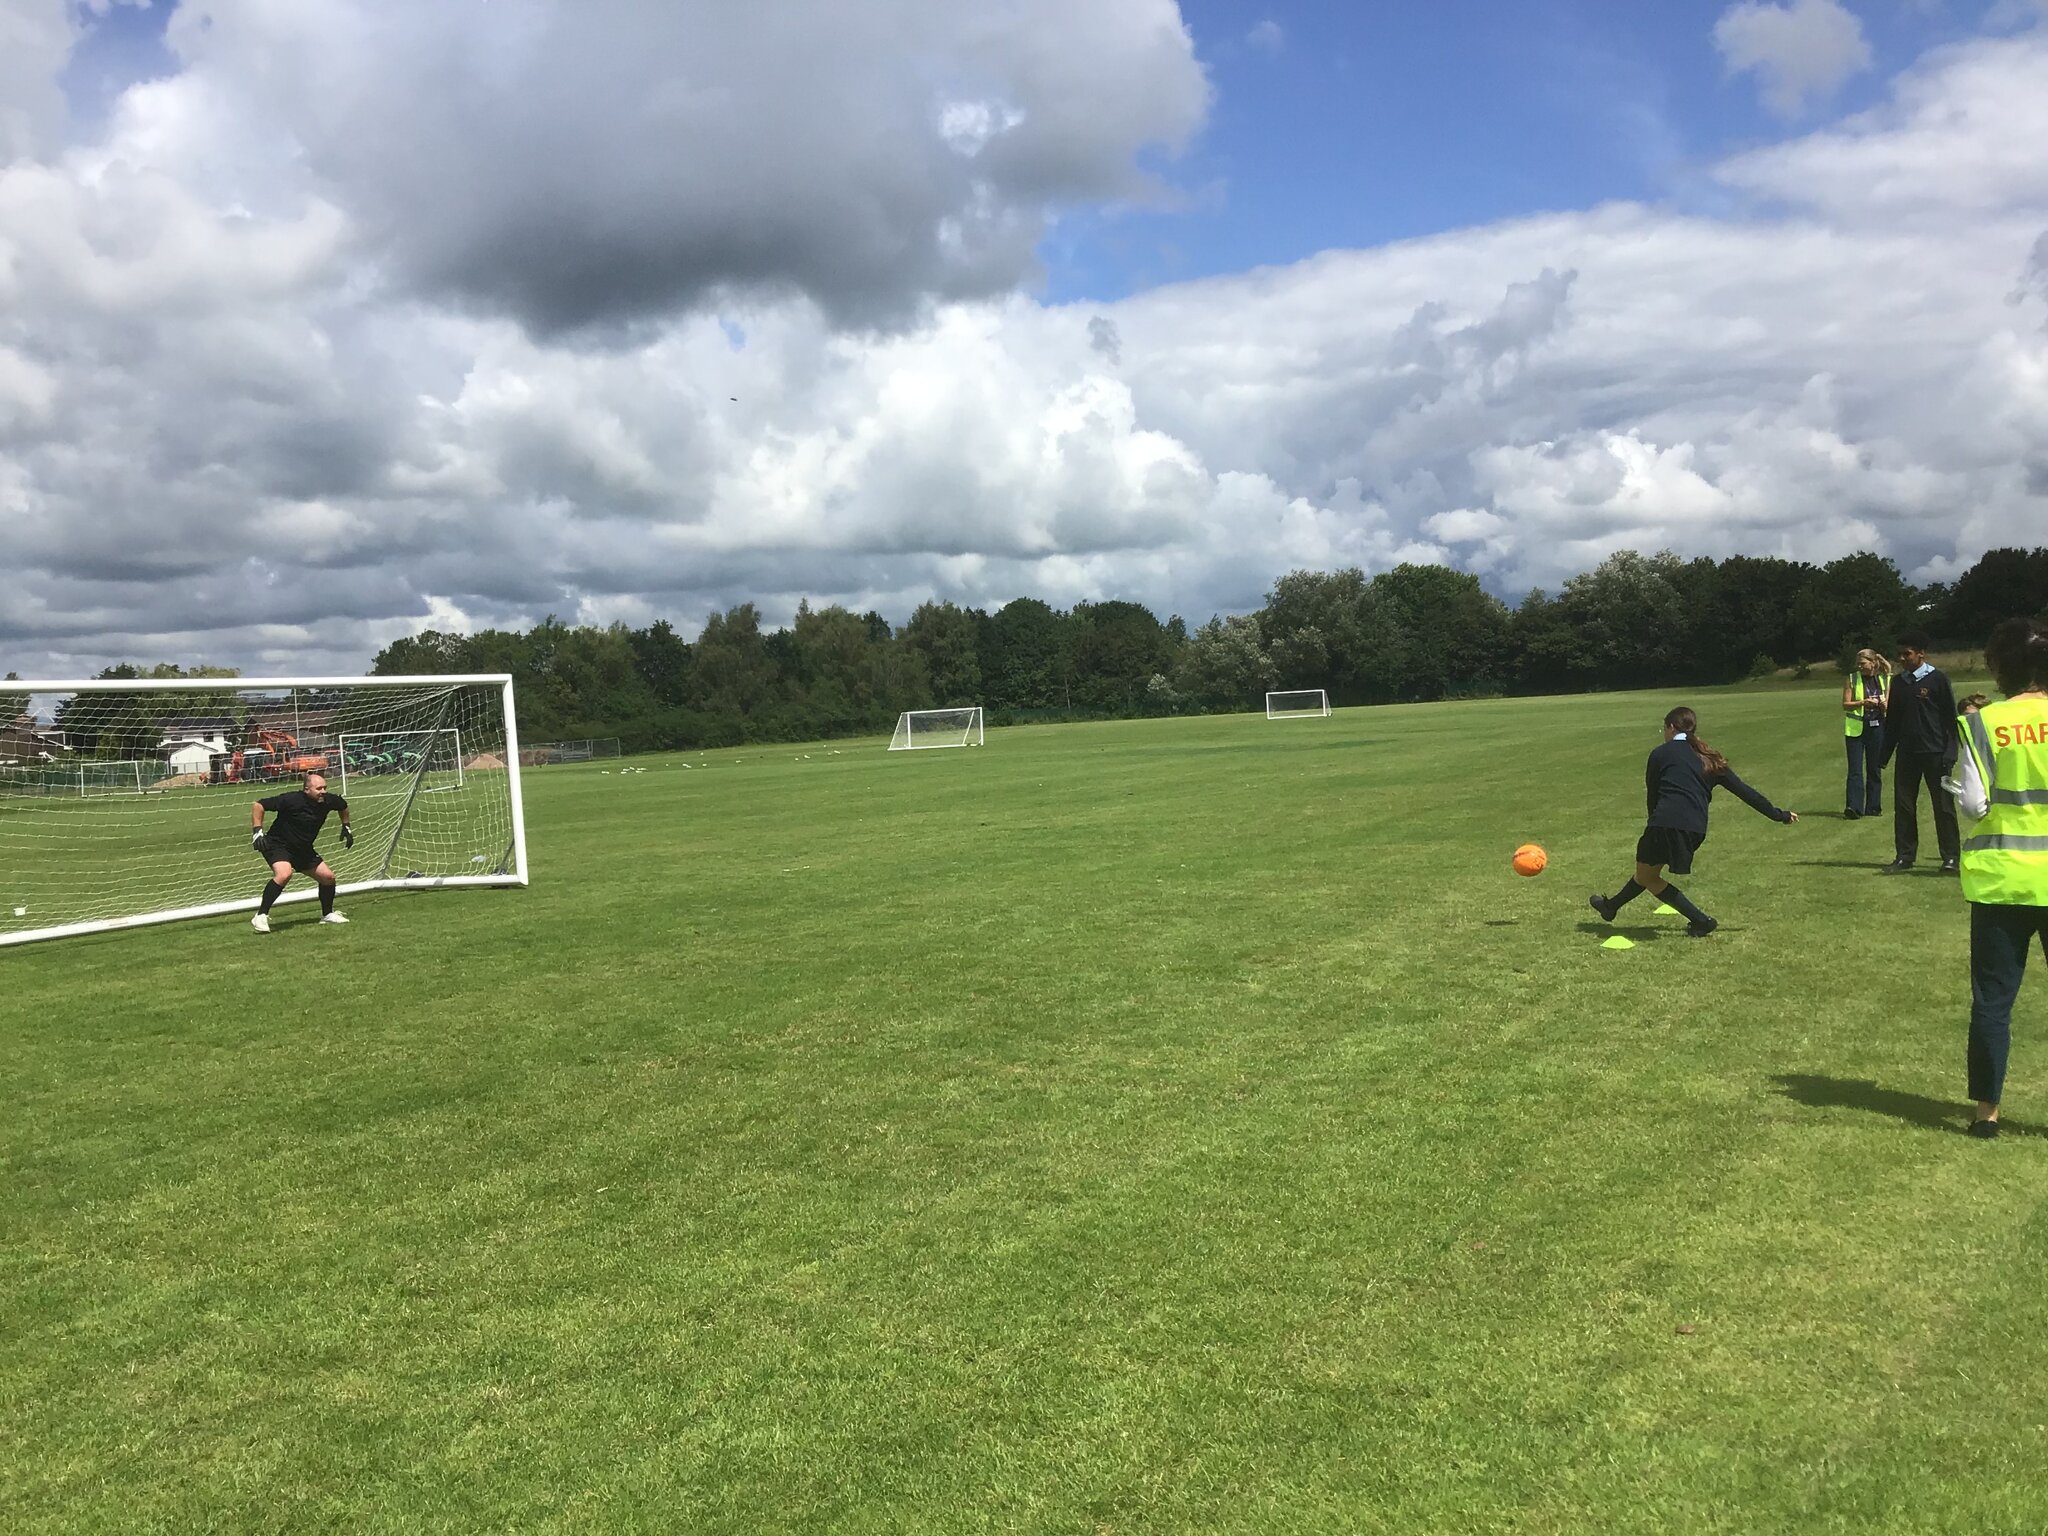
{"x":1681,"y":777}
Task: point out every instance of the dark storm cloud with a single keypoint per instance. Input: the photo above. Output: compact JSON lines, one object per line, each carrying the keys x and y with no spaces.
{"x":584,"y":164}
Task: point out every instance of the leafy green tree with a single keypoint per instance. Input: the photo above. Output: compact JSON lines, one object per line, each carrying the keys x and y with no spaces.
{"x":1453,"y":633}
{"x":734,"y":674}
{"x":599,"y":672}
{"x":1549,"y":653}
{"x":1225,"y":665}
{"x":663,"y":657}
{"x":426,"y":654}
{"x":1632,"y":618}
{"x":949,"y":640}
{"x":1855,"y":601}
{"x":1116,"y":648}
{"x":1025,"y":660}
{"x":835,"y":677}
{"x":2003,"y":584}
{"x":1749,"y":609}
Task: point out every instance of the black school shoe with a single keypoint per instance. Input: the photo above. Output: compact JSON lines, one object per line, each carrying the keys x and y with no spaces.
{"x":1984,"y":1130}
{"x":1950,"y":867}
{"x":1603,"y":906}
{"x":1848,"y":815}
{"x":1701,"y":930}
{"x":1896,"y":867}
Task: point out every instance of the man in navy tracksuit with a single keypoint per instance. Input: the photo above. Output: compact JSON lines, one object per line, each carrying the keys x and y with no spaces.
{"x":1920,"y":730}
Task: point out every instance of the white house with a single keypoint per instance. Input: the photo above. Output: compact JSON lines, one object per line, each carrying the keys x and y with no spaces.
{"x":194,"y":757}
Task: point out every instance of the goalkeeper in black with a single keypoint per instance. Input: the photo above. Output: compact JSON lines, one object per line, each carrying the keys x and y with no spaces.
{"x":288,"y":845}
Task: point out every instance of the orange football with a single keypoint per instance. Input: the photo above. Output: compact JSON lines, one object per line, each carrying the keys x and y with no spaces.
{"x":1530,"y":859}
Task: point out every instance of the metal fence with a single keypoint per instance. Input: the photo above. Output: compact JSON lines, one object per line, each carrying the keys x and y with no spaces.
{"x":538,"y":754}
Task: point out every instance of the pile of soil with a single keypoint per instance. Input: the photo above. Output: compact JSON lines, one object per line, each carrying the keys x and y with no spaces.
{"x":486,"y":760}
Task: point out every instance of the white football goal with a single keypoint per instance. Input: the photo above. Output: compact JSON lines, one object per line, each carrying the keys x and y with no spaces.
{"x":1297,"y":704}
{"x":109,"y":818}
{"x":937,"y":728}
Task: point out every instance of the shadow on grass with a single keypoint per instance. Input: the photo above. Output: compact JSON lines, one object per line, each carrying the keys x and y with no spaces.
{"x":1946,"y":1115}
{"x":1843,"y":864}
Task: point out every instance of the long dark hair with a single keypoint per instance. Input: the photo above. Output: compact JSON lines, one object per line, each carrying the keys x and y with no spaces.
{"x":1686,"y":722}
{"x":2017,"y":654}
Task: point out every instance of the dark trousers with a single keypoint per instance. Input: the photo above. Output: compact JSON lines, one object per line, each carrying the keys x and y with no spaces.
{"x":1907,"y":777}
{"x":1865,"y":793}
{"x":1998,"y":961}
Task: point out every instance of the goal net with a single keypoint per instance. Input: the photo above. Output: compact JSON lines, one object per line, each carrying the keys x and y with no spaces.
{"x":1297,"y":704}
{"x":398,"y":762}
{"x":128,"y":802}
{"x":937,"y":728}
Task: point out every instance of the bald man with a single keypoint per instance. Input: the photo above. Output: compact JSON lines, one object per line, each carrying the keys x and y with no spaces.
{"x":288,"y":845}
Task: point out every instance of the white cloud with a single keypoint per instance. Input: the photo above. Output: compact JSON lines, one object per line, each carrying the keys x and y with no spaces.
{"x":1802,"y":52}
{"x":35,"y":39}
{"x":227,"y":435}
{"x":1267,"y":36}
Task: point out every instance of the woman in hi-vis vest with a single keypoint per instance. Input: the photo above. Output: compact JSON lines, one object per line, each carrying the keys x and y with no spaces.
{"x":1864,"y":696}
{"x":2004,"y":790}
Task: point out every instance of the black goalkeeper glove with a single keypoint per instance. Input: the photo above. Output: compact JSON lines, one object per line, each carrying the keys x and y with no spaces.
{"x":348,"y":836}
{"x":256,"y":840}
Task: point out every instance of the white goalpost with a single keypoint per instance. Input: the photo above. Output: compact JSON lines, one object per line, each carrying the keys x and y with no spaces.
{"x":937,"y":728}
{"x":1297,"y":704}
{"x":124,"y":802}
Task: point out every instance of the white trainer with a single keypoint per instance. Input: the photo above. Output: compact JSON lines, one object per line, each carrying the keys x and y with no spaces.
{"x":260,"y":923}
{"x":334,"y":917}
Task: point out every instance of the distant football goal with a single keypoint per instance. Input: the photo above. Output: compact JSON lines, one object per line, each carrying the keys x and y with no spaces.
{"x":937,"y":728}
{"x":1297,"y":704}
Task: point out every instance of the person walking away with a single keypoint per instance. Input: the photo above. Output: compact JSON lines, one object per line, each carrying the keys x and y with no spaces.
{"x":1864,"y":695}
{"x":2004,"y":791}
{"x":1920,"y":731}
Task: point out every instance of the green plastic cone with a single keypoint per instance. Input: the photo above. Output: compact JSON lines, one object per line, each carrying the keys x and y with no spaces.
{"x":1665,"y":909}
{"x":1617,"y":942}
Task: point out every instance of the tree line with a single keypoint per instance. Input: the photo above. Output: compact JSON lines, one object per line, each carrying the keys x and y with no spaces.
{"x":1416,"y":632}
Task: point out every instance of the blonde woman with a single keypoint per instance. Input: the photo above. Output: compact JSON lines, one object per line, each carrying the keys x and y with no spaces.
{"x":1865,"y":694}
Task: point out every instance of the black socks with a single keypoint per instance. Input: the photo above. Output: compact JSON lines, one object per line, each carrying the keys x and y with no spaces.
{"x":270,"y":894}
{"x":1625,"y":895}
{"x":1686,"y":909}
{"x":326,"y":899}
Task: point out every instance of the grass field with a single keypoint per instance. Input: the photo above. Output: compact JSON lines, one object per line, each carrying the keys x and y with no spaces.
{"x":1152,"y":1126}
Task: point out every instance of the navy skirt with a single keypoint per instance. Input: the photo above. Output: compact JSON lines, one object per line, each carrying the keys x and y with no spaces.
{"x":1672,"y":847}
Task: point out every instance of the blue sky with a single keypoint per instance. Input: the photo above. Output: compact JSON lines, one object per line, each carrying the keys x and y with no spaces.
{"x":1351,"y":125}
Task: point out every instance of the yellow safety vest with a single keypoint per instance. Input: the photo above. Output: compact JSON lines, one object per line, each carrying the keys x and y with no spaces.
{"x":1852,"y":721}
{"x":2005,"y":857}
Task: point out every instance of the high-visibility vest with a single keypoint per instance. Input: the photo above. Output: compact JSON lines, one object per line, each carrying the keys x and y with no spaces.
{"x":2005,"y":857}
{"x":1852,"y":720}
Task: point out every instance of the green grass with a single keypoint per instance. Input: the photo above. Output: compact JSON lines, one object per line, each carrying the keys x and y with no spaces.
{"x":1152,"y":1126}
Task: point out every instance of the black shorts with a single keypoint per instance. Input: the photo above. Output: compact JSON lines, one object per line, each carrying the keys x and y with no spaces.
{"x":1672,"y":847}
{"x":304,"y":860}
